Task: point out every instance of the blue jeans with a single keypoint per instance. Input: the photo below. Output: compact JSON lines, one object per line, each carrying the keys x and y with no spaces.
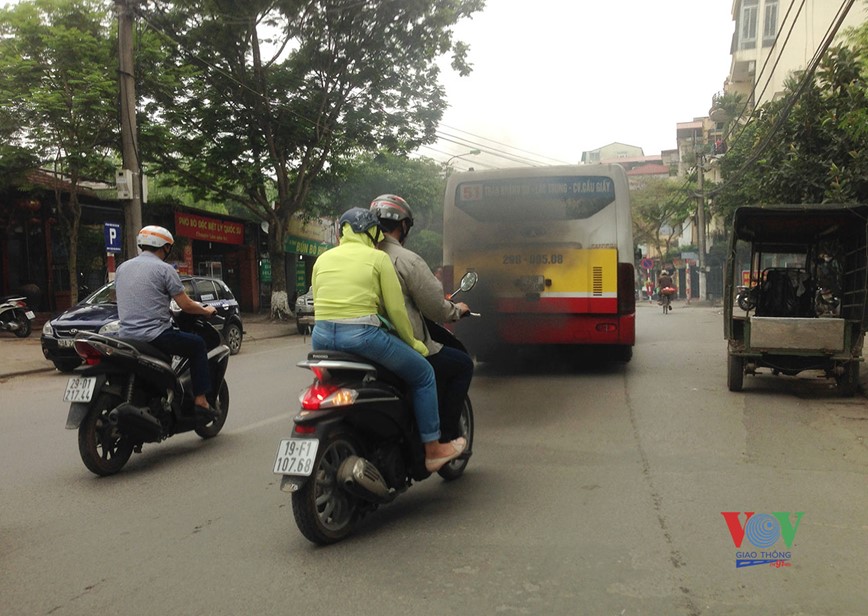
{"x":185,"y":344}
{"x":393,"y":353}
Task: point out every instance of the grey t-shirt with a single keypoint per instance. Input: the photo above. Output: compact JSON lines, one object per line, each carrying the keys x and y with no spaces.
{"x":145,"y":285}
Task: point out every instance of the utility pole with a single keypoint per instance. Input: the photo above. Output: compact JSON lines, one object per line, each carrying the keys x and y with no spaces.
{"x":129,"y":130}
{"x":700,"y":223}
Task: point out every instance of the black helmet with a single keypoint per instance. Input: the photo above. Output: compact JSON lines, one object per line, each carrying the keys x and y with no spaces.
{"x":392,"y":207}
{"x":359,"y":218}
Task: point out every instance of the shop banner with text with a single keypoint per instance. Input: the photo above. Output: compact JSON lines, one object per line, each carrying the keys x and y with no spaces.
{"x":209,"y":229}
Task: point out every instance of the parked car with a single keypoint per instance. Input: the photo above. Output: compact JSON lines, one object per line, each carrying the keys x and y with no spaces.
{"x":304,"y":312}
{"x":98,"y":312}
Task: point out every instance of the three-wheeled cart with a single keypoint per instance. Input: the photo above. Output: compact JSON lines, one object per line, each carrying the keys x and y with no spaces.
{"x":795,"y":292}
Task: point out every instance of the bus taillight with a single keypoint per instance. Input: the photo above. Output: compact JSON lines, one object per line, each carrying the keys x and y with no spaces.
{"x":447,"y":277}
{"x":626,"y":289}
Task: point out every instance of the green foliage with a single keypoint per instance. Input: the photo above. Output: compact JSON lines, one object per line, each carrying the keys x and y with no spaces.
{"x":59,"y":88}
{"x":356,"y":181}
{"x":659,"y":203}
{"x":271,"y":94}
{"x":815,"y":152}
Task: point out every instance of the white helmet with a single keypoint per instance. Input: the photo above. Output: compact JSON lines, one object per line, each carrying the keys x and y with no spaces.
{"x":155,"y":236}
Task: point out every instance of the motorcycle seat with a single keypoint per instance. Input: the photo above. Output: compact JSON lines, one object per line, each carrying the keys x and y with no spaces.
{"x":146,"y":348}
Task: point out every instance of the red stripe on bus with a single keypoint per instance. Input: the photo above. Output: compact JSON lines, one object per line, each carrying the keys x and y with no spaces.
{"x":559,"y":305}
{"x":566,"y":329}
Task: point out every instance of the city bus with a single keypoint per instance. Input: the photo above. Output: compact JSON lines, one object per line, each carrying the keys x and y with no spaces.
{"x":553,"y":248}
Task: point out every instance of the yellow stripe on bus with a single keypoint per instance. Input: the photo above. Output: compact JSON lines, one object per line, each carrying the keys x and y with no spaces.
{"x":564,"y":269}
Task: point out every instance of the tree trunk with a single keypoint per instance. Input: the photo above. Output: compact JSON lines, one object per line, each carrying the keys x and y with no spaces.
{"x":280,"y":308}
{"x":70,"y":214}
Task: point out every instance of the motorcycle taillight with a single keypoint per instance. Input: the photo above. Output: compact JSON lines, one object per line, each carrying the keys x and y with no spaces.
{"x":87,"y":352}
{"x":324,"y":395}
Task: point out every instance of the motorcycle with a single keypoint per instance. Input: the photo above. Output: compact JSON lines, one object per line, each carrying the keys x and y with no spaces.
{"x":15,"y":316}
{"x":355,"y":445}
{"x":746,"y":297}
{"x":127,"y":393}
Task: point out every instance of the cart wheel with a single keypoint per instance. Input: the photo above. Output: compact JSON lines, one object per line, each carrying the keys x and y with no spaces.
{"x":848,"y":383}
{"x":735,"y":372}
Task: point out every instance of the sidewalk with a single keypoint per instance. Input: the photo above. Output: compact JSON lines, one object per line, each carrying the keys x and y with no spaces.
{"x":24,"y":355}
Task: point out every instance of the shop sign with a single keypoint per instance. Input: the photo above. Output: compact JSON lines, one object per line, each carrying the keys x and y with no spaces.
{"x":209,"y":229}
{"x":265,"y":270}
{"x":301,"y":246}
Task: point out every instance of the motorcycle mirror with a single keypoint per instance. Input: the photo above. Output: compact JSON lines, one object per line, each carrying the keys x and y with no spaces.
{"x":468,"y":281}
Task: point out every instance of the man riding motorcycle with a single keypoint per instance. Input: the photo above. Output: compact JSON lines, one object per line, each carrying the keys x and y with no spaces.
{"x":423,"y":297}
{"x":144,"y":286}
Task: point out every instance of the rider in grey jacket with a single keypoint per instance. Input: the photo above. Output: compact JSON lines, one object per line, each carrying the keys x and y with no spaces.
{"x":424,"y":298}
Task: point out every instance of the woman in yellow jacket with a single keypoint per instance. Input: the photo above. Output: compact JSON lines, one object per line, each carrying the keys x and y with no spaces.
{"x":354,"y":287}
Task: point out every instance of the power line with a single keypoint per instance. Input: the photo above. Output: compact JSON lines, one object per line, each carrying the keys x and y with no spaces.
{"x":794,"y":97}
{"x":555,"y":160}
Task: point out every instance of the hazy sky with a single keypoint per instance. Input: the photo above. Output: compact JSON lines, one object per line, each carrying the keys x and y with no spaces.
{"x":552,"y":78}
{"x":556,"y":77}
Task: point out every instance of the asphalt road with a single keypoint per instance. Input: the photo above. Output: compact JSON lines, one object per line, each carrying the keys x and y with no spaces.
{"x":595,"y":488}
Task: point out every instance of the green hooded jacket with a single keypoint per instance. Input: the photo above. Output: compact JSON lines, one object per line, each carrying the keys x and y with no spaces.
{"x":354,"y":280}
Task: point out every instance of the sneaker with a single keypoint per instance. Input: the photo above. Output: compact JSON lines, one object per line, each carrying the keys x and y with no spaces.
{"x":207,"y":414}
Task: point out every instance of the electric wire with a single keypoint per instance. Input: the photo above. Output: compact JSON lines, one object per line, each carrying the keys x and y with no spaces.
{"x":491,"y":151}
{"x":807,"y":77}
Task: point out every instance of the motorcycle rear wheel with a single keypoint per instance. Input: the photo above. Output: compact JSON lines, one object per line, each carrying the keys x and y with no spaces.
{"x":103,"y":449}
{"x":24,"y":327}
{"x":455,"y":469}
{"x":324,"y":512}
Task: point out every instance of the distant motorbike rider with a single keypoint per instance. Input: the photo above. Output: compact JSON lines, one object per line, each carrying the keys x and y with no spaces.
{"x":145,"y":286}
{"x":664,"y":281}
{"x":423,"y":297}
{"x":356,"y":289}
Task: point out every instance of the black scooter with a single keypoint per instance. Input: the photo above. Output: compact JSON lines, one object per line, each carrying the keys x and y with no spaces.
{"x":355,"y":445}
{"x":127,"y":393}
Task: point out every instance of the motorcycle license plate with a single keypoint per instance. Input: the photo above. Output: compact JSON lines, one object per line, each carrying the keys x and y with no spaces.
{"x":295,"y":456}
{"x":79,"y":389}
{"x":29,"y":314}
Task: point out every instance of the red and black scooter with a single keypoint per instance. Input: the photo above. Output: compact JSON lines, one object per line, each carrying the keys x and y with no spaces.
{"x":355,"y":445}
{"x":127,"y":393}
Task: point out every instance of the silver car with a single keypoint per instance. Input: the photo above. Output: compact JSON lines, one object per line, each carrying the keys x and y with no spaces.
{"x":304,"y":312}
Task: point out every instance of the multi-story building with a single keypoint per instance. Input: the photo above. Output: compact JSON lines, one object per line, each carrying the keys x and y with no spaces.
{"x":773,"y":38}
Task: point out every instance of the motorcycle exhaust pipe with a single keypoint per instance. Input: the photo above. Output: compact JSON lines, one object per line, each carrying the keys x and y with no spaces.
{"x":137,"y":422}
{"x":362,"y":479}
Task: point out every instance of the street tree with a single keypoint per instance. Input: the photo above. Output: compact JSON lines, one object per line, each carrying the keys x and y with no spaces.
{"x":260,"y":97}
{"x":813,"y":151}
{"x":660,"y":207}
{"x":58,"y":98}
{"x":355,"y":181}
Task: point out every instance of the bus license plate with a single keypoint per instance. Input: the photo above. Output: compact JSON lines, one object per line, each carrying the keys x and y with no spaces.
{"x":79,"y":389}
{"x":295,"y":456}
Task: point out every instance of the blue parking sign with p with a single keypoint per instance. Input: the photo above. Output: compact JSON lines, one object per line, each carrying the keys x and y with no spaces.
{"x":112,"y":237}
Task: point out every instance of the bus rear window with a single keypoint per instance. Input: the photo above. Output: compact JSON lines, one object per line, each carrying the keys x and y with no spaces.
{"x":542,"y":198}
